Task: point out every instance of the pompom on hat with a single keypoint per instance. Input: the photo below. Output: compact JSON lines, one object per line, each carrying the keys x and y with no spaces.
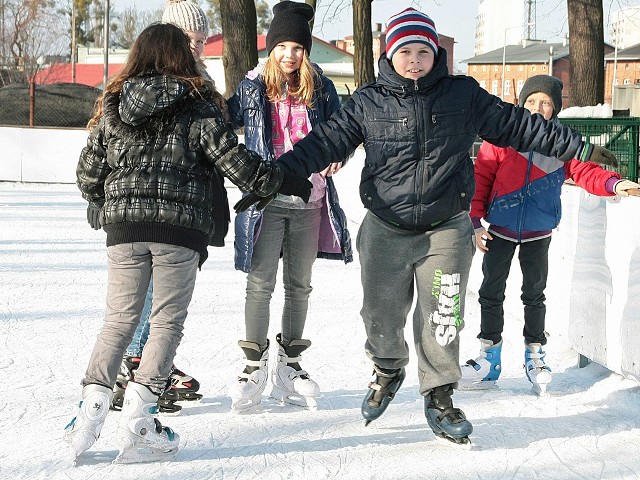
{"x":290,"y":24}
{"x":411,"y":26}
{"x":186,"y":15}
{"x":546,"y":84}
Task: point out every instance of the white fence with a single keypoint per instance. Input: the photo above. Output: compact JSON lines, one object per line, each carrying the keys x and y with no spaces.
{"x":595,"y":254}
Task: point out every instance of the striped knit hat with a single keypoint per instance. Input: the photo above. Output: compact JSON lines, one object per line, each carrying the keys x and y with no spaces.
{"x":186,"y":15}
{"x":411,"y":26}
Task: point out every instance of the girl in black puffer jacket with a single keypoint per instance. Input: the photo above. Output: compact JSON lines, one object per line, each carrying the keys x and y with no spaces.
{"x":157,"y":149}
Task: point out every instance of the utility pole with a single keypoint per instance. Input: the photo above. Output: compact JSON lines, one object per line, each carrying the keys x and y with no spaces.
{"x":73,"y":41}
{"x":105,"y":74}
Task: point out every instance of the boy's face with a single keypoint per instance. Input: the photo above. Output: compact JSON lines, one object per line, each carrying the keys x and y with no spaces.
{"x":288,"y":56}
{"x":413,"y":60}
{"x":540,"y":103}
{"x":197,"y":43}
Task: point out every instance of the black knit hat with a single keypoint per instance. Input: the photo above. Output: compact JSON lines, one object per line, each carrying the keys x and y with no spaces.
{"x":290,"y":24}
{"x":546,"y":84}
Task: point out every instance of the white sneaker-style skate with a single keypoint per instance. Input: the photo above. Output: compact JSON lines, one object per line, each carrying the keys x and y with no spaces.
{"x":537,"y":371}
{"x":84,"y":429}
{"x":483,"y":372}
{"x":247,"y":391}
{"x":141,"y":437}
{"x":291,"y":384}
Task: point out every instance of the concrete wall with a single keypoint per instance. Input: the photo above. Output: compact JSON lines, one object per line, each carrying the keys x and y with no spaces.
{"x":594,"y":284}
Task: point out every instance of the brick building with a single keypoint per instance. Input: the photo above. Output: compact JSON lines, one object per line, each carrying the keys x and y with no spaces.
{"x":627,"y":70}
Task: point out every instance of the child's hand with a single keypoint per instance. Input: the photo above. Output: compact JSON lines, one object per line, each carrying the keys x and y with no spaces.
{"x":331,"y":169}
{"x":481,"y":240}
{"x":624,"y":188}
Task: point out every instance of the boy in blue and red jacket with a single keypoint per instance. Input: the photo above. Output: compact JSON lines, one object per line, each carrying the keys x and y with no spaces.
{"x":518,"y":195}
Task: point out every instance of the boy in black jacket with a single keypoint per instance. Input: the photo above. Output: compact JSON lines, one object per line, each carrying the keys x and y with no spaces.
{"x":417,"y":124}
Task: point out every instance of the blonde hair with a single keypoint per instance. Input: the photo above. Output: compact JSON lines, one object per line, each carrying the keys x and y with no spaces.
{"x":300,"y":84}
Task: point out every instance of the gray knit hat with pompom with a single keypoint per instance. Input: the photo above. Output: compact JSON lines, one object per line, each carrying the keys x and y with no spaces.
{"x":186,"y":15}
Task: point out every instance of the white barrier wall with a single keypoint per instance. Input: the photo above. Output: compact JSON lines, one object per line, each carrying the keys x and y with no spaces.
{"x":593,"y":287}
{"x":47,"y":155}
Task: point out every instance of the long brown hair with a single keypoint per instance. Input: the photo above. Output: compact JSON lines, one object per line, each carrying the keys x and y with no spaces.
{"x":161,"y":48}
{"x":300,"y":83}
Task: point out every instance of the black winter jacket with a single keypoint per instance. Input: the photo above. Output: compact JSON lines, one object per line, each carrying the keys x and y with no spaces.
{"x":154,"y":161}
{"x":417,"y":136}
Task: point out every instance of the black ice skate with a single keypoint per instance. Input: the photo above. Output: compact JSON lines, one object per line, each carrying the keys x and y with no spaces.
{"x":184,"y":385}
{"x":381,"y":391}
{"x":445,"y":420}
{"x":166,"y":403}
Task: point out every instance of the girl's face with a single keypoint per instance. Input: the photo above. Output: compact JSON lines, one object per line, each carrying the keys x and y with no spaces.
{"x":540,"y":103}
{"x":197,"y":43}
{"x":288,"y":56}
{"x":413,"y":60}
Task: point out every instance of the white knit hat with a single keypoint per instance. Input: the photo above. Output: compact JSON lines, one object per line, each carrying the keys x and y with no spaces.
{"x":186,"y":15}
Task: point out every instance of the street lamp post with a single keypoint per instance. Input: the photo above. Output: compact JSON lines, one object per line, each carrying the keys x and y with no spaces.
{"x":504,"y":51}
{"x":105,"y":73}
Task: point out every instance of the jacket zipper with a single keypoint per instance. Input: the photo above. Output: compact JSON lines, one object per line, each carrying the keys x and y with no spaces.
{"x":525,"y":194}
{"x":421,"y":175}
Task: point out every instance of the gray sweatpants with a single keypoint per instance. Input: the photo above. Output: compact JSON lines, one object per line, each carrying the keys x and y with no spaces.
{"x":130,"y":266}
{"x":436,"y":265}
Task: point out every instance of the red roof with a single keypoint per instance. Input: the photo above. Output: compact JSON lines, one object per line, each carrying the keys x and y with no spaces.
{"x":214,"y":44}
{"x":86,"y":73}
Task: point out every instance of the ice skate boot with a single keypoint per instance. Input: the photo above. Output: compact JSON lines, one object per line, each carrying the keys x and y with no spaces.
{"x":184,"y":385}
{"x":291,"y":384}
{"x":446,"y":421}
{"x":140,"y":436}
{"x":166,"y":402}
{"x":538,"y":373}
{"x":483,"y":372}
{"x":246,"y":392}
{"x":84,"y":429}
{"x":381,"y":391}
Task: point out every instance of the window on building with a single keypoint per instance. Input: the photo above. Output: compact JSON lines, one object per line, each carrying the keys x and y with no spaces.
{"x":495,"y":69}
{"x":483,"y":84}
{"x":508,"y":68}
{"x":544,"y":68}
{"x":475,"y":69}
{"x":521,"y":68}
{"x":519,"y":86}
{"x":494,"y":87}
{"x":484,"y":68}
{"x":506,"y":89}
{"x":533,"y":68}
{"x":615,"y":81}
{"x":627,"y":81}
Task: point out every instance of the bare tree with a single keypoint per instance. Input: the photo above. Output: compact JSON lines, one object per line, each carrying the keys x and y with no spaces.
{"x":263,"y":15}
{"x":586,"y":48}
{"x":240,"y":52}
{"x":31,"y":31}
{"x":363,"y":43}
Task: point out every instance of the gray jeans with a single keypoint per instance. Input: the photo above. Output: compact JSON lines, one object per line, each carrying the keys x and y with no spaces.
{"x":436,"y":265}
{"x":294,"y":232}
{"x":130,"y":266}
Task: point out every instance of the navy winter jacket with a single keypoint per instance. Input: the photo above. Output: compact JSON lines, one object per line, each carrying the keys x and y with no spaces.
{"x":249,"y":108}
{"x":417,"y":135}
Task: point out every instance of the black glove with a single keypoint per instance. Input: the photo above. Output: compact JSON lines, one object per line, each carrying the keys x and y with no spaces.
{"x":93,"y":216}
{"x":597,"y":154}
{"x":248,"y":200}
{"x":291,"y":185}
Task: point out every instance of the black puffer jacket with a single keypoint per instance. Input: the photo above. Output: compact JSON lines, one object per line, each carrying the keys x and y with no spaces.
{"x":417,"y":136}
{"x":154,"y":161}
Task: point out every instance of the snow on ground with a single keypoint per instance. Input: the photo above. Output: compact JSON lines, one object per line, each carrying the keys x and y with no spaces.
{"x":53,"y":278}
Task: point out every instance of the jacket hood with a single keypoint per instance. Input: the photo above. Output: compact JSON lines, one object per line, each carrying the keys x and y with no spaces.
{"x":148,"y":95}
{"x":392,"y":80}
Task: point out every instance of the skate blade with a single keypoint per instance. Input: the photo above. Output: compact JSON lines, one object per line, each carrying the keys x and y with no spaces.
{"x":293,"y":399}
{"x":189,"y":397}
{"x":540,"y":389}
{"x":245,"y":405}
{"x":480,"y":385}
{"x":145,"y":455}
{"x":461,"y":442}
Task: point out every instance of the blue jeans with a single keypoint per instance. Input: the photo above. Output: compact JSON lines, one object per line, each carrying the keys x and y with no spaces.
{"x":142,"y":332}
